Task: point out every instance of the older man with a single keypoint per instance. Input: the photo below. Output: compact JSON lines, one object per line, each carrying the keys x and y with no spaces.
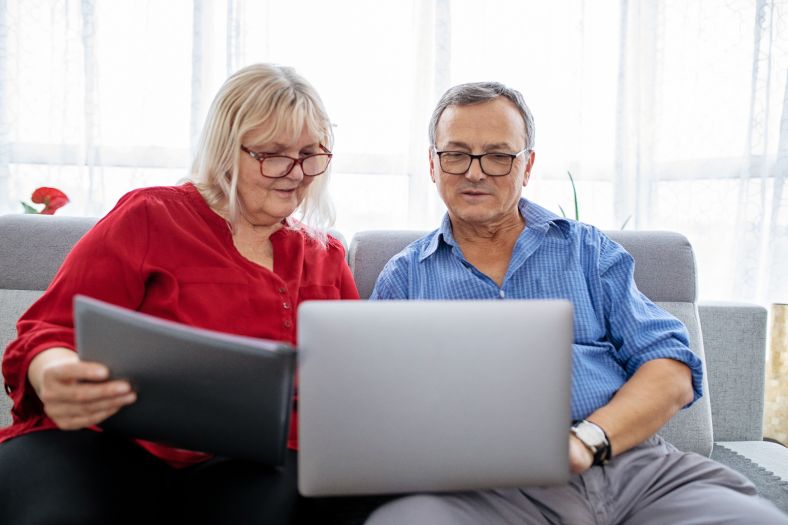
{"x":632,"y":370}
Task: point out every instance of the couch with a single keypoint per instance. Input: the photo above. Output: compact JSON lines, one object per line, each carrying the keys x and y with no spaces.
{"x":725,"y":424}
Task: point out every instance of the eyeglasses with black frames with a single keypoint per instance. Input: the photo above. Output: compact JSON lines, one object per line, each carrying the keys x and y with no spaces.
{"x":492,"y":164}
{"x":278,"y":166}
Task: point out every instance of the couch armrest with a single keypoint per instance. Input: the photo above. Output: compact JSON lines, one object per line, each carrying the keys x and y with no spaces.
{"x":734,"y":339}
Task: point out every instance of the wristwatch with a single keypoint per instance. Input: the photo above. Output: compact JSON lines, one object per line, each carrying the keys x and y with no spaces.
{"x":594,"y":438}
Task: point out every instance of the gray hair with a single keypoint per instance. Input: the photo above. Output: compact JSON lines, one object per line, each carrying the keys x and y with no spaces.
{"x":478,"y":92}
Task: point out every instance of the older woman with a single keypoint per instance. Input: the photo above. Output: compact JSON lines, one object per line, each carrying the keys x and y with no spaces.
{"x":224,"y":251}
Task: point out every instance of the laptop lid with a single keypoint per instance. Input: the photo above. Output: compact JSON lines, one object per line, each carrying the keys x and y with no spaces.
{"x":406,"y":396}
{"x":196,"y":389}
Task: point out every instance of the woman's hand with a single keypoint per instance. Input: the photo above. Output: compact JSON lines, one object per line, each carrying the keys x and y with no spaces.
{"x":76,"y":394}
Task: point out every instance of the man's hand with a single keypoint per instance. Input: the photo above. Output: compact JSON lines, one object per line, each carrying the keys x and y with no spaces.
{"x":580,"y":458}
{"x":76,"y":394}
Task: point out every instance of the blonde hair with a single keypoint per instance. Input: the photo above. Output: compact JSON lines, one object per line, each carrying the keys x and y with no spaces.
{"x":279,"y":101}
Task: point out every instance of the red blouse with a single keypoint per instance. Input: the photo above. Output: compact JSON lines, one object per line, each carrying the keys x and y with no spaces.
{"x":164,"y":252}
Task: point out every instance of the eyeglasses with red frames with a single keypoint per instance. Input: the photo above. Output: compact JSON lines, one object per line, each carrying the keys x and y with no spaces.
{"x":278,"y":166}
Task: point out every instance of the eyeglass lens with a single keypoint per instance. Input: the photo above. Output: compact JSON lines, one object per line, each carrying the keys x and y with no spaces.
{"x":457,"y":163}
{"x":281,"y":166}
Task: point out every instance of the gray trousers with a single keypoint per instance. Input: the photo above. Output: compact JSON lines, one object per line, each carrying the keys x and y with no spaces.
{"x":653,"y":483}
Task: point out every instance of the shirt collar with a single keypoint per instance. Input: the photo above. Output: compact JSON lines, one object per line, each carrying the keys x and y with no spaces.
{"x":536,"y":218}
{"x":542,"y":218}
{"x":442,"y":234}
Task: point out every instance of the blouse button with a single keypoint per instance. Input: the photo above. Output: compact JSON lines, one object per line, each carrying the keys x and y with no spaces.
{"x":286,"y":306}
{"x":282,"y":290}
{"x":288,"y":323}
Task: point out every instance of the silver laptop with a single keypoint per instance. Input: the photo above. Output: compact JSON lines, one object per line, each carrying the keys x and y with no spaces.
{"x":413,"y":396}
{"x":196,"y":389}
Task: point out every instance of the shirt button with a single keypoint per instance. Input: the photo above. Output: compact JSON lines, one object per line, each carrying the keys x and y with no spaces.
{"x":288,"y":323}
{"x":282,"y":290}
{"x":286,"y":306}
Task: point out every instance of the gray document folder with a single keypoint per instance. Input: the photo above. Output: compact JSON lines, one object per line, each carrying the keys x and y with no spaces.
{"x":196,"y":389}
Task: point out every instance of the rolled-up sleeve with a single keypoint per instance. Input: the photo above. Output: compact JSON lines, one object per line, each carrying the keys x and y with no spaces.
{"x":640,"y":330}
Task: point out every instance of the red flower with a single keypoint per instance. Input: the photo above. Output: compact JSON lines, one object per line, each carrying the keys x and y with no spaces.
{"x":51,"y":198}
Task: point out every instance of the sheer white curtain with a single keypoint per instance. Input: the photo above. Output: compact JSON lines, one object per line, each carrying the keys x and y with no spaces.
{"x":702,"y":136}
{"x":94,"y":98}
{"x":669,"y":114}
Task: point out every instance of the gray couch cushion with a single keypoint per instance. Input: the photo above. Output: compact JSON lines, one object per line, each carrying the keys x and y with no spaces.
{"x":25,"y":268}
{"x":691,"y":429}
{"x":734,"y":336}
{"x":13,"y":304}
{"x":765,"y":464}
{"x":34,"y":247}
{"x":770,"y":456}
{"x":371,"y":250}
{"x":665,"y":269}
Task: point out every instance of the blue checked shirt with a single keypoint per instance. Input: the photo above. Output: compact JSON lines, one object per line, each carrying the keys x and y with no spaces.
{"x":617,"y":328}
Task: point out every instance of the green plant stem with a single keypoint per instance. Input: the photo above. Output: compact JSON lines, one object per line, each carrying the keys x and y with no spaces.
{"x":574,"y":195}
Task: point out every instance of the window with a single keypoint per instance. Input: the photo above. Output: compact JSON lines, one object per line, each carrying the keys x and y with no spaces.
{"x":668,"y":114}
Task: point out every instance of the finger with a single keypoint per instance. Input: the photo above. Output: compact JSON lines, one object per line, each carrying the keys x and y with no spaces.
{"x":81,"y":400}
{"x":78,"y":371}
{"x":63,"y":411}
{"x":66,"y":410}
{"x":115,"y":403}
{"x":83,"y":392}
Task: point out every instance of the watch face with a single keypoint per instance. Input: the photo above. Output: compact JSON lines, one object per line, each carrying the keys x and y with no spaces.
{"x":590,"y":435}
{"x":595,"y":439}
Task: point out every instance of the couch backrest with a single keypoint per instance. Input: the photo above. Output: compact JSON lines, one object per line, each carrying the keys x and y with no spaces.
{"x":33,"y":248}
{"x":664,"y":272}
